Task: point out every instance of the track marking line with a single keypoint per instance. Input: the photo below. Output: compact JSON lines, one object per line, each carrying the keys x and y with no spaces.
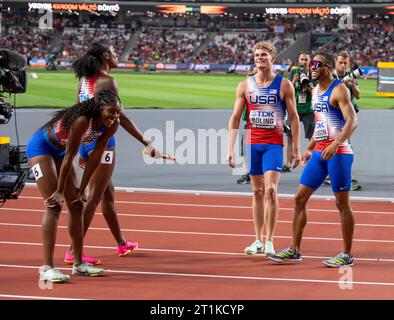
{"x":36,"y":297}
{"x":229,"y":193}
{"x":198,"y":233}
{"x":185,"y":251}
{"x":228,"y":207}
{"x":215,"y":276}
{"x":28,"y":211}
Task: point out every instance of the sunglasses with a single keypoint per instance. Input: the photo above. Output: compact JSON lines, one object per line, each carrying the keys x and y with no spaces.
{"x":317,"y":64}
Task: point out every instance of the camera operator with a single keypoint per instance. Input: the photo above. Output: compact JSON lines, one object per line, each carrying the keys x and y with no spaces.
{"x":342,"y":72}
{"x":303,"y":86}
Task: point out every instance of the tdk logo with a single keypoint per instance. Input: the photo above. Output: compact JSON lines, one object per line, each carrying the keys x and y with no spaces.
{"x":320,"y":125}
{"x":262,"y":114}
{"x":265,"y":99}
{"x":320,"y":107}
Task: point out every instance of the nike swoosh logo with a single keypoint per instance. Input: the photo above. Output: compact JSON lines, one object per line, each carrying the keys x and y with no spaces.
{"x":342,"y":188}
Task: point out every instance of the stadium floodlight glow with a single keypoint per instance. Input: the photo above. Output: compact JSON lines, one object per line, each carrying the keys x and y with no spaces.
{"x":171,"y":8}
{"x":182,"y":9}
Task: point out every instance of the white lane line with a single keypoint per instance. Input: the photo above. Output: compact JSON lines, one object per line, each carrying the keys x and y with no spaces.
{"x":229,"y":193}
{"x":198,"y":233}
{"x":216,"y":276}
{"x":28,"y":211}
{"x":218,"y":206}
{"x":35,"y":297}
{"x":185,"y":251}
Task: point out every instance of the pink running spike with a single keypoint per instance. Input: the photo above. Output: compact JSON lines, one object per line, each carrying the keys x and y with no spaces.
{"x":127,"y":248}
{"x":69,"y":258}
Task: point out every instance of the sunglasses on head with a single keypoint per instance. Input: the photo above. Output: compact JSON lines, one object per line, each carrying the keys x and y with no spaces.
{"x":317,"y":64}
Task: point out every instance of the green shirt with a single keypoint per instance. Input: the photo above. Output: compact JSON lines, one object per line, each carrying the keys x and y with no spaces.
{"x":352,"y":99}
{"x":245,"y":114}
{"x":302,"y":94}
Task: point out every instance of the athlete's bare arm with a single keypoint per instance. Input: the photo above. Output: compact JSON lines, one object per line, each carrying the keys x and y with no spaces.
{"x":288,"y":96}
{"x":109,"y":83}
{"x":233,"y":124}
{"x":340,"y":98}
{"x":78,"y":128}
{"x":94,"y":158}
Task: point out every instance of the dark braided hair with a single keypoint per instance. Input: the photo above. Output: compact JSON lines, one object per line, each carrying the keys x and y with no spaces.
{"x":89,"y":64}
{"x":90,"y":108}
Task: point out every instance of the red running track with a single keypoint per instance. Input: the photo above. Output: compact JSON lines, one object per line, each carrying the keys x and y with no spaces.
{"x":191,"y":248}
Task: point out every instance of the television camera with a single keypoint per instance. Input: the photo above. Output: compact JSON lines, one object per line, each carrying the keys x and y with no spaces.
{"x":13,"y":160}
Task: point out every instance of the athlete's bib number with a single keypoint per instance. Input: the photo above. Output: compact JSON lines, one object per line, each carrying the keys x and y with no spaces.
{"x":37,"y":171}
{"x":321,"y":131}
{"x":262,"y":119}
{"x":107,"y":157}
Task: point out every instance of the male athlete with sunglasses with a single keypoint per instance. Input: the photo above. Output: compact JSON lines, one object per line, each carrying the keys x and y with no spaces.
{"x":328,"y":153}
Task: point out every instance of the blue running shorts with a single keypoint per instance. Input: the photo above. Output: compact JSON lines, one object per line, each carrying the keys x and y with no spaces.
{"x":39,"y":145}
{"x":85,"y":149}
{"x":339,"y":168}
{"x":261,"y":158}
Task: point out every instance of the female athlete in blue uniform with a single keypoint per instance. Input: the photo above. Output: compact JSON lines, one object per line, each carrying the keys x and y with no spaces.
{"x":51,"y":151}
{"x":93,"y":72}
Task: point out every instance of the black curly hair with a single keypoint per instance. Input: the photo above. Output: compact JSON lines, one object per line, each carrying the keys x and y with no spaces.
{"x":89,"y":108}
{"x":89,"y":64}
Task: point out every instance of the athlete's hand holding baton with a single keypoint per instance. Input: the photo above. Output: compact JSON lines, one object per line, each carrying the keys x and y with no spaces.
{"x":151,"y":151}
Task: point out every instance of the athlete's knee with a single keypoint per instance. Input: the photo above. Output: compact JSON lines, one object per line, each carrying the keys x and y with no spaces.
{"x":75,"y":208}
{"x":343,"y":206}
{"x":300,"y":201}
{"x":258,"y":193}
{"x":271,"y":193}
{"x":55,"y":211}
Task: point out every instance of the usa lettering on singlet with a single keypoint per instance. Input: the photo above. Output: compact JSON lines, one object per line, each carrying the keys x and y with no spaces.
{"x":329,"y":121}
{"x":266,"y":112}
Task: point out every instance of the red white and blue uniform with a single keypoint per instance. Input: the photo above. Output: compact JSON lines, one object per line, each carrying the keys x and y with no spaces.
{"x":264,"y":138}
{"x":329,"y":123}
{"x":40,"y":143}
{"x":86,"y":92}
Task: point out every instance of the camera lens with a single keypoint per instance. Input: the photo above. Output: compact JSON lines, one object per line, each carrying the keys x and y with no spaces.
{"x":304,"y":79}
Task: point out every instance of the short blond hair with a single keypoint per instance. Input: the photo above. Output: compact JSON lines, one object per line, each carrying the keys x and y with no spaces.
{"x":266,"y":46}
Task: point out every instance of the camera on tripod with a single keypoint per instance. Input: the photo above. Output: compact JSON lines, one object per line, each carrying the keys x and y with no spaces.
{"x":5,"y":111}
{"x":13,"y":160}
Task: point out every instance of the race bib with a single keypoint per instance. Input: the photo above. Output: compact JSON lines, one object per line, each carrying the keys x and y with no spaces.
{"x":36,"y":169}
{"x":107,"y":157}
{"x":321,"y":131}
{"x":262,"y":119}
{"x":302,"y":98}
